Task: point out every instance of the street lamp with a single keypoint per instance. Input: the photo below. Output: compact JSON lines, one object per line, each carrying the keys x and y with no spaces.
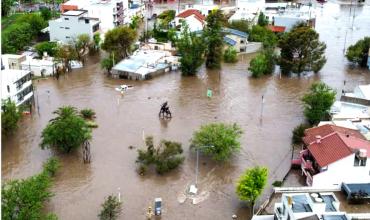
{"x":193,"y":188}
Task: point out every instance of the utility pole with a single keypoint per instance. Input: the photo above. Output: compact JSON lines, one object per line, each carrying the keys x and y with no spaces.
{"x":263,"y":101}
{"x":178,"y":7}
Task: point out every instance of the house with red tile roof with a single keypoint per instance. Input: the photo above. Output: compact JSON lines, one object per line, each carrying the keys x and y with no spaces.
{"x":194,"y":19}
{"x":334,"y":155}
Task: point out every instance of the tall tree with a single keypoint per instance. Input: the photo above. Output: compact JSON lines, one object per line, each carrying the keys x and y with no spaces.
{"x":218,"y":140}
{"x":6,"y":5}
{"x":10,"y":115}
{"x":111,"y":208}
{"x":359,"y":52}
{"x":108,"y":63}
{"x":317,"y":102}
{"x":66,"y":132}
{"x":119,"y":41}
{"x":262,"y":20}
{"x":16,"y":37}
{"x":301,"y":51}
{"x":250,"y":185}
{"x":81,"y":45}
{"x":212,"y":33}
{"x":65,"y":54}
{"x":191,"y":48}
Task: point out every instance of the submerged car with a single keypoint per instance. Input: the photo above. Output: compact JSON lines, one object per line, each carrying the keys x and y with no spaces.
{"x":158,"y":206}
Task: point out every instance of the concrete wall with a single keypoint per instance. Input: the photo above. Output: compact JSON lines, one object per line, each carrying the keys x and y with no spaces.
{"x":253,"y":47}
{"x":342,"y":171}
{"x":37,"y":70}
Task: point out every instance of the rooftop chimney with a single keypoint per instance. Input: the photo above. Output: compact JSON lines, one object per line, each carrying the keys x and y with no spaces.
{"x":318,"y":139}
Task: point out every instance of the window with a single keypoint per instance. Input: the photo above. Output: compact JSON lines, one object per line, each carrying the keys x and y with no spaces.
{"x":67,"y":37}
{"x":242,"y":41}
{"x":87,"y":21}
{"x":66,"y":19}
{"x":62,"y":27}
{"x":66,"y":27}
{"x":8,"y":88}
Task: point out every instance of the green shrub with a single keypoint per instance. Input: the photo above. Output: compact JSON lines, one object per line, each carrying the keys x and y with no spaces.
{"x":87,"y":113}
{"x":298,"y":133}
{"x":230,"y":55}
{"x":51,"y":166}
{"x":277,"y":183}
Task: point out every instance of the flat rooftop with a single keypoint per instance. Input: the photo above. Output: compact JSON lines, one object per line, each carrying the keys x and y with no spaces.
{"x":343,"y":207}
{"x":74,"y":13}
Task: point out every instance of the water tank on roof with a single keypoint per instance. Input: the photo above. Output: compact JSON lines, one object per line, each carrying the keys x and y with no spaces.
{"x":363,"y":153}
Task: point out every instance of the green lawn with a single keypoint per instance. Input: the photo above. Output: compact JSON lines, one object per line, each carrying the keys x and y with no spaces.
{"x":6,"y":21}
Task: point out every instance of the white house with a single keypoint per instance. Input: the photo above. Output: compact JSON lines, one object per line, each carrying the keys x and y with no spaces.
{"x":16,"y":85}
{"x":193,"y":18}
{"x":236,"y":39}
{"x":247,"y":10}
{"x":43,"y":67}
{"x":334,"y":155}
{"x":71,"y":24}
{"x":307,"y":206}
{"x":205,"y":8}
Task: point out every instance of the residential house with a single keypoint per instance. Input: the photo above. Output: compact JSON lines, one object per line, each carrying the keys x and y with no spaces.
{"x":334,"y":155}
{"x":135,"y":9}
{"x":205,"y":8}
{"x":236,"y":39}
{"x":145,"y":64}
{"x":43,"y":67}
{"x":16,"y":85}
{"x":308,"y":206}
{"x":12,"y":61}
{"x":110,"y":13}
{"x":193,"y":18}
{"x":71,"y":24}
{"x":248,"y":10}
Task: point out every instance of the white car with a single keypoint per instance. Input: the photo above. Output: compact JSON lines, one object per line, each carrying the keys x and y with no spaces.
{"x":123,"y":88}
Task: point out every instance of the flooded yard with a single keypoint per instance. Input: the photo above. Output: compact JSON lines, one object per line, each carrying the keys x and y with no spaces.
{"x":123,"y":119}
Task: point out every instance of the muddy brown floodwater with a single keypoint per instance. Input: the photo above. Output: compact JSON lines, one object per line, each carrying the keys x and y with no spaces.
{"x":80,"y":188}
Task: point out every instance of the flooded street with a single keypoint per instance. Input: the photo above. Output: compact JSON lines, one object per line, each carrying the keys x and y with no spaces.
{"x":80,"y":188}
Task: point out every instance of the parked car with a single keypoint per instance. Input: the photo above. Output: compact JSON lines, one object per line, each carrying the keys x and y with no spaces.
{"x":158,"y":206}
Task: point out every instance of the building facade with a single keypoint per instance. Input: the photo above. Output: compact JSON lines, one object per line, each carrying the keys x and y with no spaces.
{"x":71,"y":24}
{"x":16,"y":85}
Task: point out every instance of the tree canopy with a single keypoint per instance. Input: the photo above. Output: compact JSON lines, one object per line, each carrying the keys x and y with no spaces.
{"x":262,"y":19}
{"x":214,"y":39}
{"x":264,"y":35}
{"x":10,"y":115}
{"x":359,"y":52}
{"x":218,"y":140}
{"x":6,"y":5}
{"x":119,"y":41}
{"x":165,"y":18}
{"x":301,"y":51}
{"x":67,"y":131}
{"x":46,"y":46}
{"x":191,"y":49}
{"x":111,"y":208}
{"x":263,"y":63}
{"x":251,"y":184}
{"x":166,"y":157}
{"x":241,"y":25}
{"x":24,"y":199}
{"x":230,"y":55}
{"x":317,"y":102}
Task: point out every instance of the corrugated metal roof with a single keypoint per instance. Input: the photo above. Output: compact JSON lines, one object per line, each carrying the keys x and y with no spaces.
{"x":229,"y":41}
{"x":235,"y":32}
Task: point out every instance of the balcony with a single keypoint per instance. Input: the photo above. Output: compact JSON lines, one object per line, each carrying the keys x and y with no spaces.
{"x":308,"y":167}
